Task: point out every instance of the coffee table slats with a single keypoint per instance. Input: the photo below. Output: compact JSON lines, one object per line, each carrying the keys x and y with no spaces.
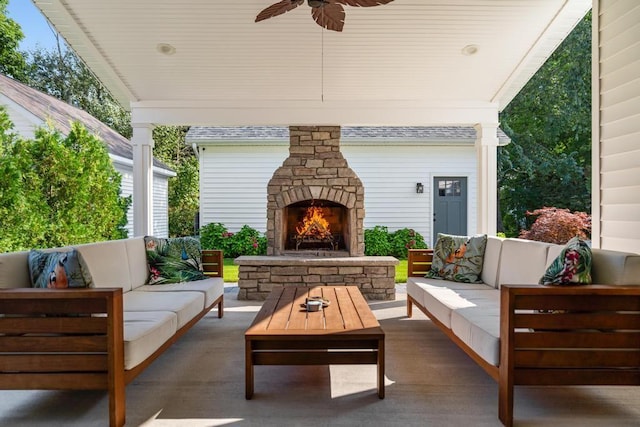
{"x":367,"y":317}
{"x":349,"y":315}
{"x":332,"y":316}
{"x":280,"y":317}
{"x":315,"y":320}
{"x":263,"y":318}
{"x":298,"y":316}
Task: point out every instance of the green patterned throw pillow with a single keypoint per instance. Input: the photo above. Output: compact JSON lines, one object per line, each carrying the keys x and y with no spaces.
{"x":571,"y":267}
{"x":173,"y":260}
{"x":58,"y":270}
{"x":458,"y":258}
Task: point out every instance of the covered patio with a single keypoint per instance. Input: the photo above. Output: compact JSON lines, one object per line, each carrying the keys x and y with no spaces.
{"x":405,"y":63}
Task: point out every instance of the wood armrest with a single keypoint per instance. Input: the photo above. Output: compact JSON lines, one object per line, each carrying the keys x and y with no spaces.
{"x":419,"y":262}
{"x":213,"y":262}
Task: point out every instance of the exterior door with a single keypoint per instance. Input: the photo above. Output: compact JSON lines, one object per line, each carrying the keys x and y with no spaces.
{"x":449,"y":206}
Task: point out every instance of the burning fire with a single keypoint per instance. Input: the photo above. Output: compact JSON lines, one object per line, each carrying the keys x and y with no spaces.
{"x":314,"y":225}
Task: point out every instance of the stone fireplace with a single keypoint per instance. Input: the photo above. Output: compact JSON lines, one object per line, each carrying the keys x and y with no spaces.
{"x":315,"y":175}
{"x":315,"y":224}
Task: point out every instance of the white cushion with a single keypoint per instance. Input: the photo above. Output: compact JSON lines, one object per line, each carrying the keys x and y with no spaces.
{"x":522,"y":262}
{"x":441,"y":297}
{"x":615,"y":268}
{"x":186,"y":305}
{"x":478,"y":325}
{"x":14,"y":270}
{"x":212,"y":288}
{"x":145,"y":332}
{"x":138,"y":267}
{"x":108,"y":264}
{"x":489,"y":274}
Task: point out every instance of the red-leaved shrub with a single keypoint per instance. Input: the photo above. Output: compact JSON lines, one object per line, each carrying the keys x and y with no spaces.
{"x":555,"y":225}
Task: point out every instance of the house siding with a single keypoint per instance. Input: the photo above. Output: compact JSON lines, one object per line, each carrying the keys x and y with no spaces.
{"x":234,"y":176}
{"x":617,"y":124}
{"x":160,"y":200}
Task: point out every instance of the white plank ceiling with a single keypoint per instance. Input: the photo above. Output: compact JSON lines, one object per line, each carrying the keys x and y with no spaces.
{"x":405,"y":54}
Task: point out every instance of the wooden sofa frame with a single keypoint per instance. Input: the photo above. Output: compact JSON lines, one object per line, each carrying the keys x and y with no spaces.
{"x":73,"y":339}
{"x":555,"y":335}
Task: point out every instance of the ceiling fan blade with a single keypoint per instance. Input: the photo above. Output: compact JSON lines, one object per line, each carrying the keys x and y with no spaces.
{"x":330,"y":16}
{"x":361,"y":3}
{"x":278,"y":9}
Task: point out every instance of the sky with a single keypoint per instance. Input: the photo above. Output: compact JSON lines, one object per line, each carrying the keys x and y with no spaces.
{"x":34,"y":26}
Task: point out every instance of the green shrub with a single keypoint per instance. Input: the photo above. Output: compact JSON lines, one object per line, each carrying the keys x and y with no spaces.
{"x":377,"y":241}
{"x":247,"y":241}
{"x":404,"y":239}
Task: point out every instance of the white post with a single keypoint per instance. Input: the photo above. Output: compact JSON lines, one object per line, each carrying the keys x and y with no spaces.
{"x":142,"y":141}
{"x":487,"y":155}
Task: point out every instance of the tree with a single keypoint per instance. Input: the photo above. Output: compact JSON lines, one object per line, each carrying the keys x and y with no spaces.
{"x":548,"y":162}
{"x":57,"y":190}
{"x":12,"y":61}
{"x":61,"y":74}
{"x":184,"y":195}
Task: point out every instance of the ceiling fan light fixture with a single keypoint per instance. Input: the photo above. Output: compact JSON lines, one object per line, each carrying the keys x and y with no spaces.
{"x":470,"y":49}
{"x":315,"y":3}
{"x":166,"y":49}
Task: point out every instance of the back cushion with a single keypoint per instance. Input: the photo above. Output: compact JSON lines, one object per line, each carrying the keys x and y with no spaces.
{"x":14,"y":270}
{"x":615,"y":268}
{"x":491,"y":262}
{"x":522,"y":262}
{"x":139,"y":270}
{"x":108,"y":264}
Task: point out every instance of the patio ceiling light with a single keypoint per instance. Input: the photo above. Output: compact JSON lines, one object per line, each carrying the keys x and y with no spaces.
{"x":166,"y":49}
{"x":470,"y":49}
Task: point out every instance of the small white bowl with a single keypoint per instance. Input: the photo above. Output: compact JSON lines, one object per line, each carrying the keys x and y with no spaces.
{"x":314,"y":305}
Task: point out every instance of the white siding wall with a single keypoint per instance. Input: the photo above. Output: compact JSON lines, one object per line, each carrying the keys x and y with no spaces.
{"x":24,"y":123}
{"x":160,"y":200}
{"x":126,"y":190}
{"x":617,"y":138}
{"x":233,"y":181}
{"x":160,"y":206}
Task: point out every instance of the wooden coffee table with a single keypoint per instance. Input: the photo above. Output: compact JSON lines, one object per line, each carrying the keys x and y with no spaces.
{"x":345,"y":332}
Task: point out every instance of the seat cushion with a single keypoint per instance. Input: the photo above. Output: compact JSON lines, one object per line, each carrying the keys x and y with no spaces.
{"x":186,"y":305}
{"x":440,"y":299}
{"x":478,"y":325}
{"x":522,"y":262}
{"x":212,"y":288}
{"x":108,"y":264}
{"x":145,"y":332}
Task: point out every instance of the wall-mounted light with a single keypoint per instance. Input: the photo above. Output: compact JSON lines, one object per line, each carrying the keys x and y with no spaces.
{"x":419,"y":188}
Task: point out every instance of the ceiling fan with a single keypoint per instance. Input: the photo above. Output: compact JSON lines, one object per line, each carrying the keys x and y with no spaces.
{"x":328,"y":14}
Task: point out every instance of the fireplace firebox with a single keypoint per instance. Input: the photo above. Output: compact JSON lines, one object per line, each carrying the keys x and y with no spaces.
{"x":316,"y":225}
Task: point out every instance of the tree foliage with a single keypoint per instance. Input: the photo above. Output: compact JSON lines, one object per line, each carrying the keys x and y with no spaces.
{"x":548,"y":162}
{"x":12,"y":61}
{"x":558,"y":226}
{"x":184,"y":194}
{"x":57,"y":190}
{"x":61,"y":74}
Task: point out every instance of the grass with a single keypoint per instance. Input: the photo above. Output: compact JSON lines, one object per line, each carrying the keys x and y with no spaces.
{"x":231,"y":271}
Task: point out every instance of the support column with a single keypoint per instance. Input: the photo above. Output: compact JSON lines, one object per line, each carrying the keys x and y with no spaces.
{"x":142,"y":141}
{"x":487,"y":155}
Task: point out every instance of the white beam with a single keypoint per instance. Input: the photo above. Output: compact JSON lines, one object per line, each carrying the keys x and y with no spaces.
{"x":487,"y":157}
{"x":142,"y":141}
{"x":286,"y":113}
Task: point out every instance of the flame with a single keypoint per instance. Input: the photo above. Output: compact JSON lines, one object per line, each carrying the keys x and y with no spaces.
{"x":314,"y":224}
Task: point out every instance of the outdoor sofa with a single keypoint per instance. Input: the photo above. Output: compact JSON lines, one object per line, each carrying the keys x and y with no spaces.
{"x":522,"y":333}
{"x":103,"y":336}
